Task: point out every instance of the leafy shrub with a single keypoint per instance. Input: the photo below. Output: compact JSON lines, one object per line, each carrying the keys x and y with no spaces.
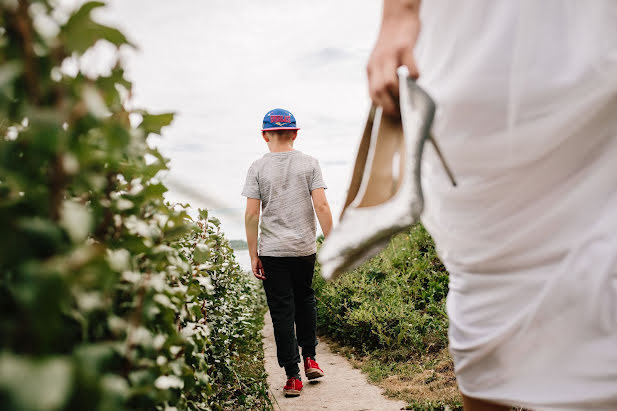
{"x":389,"y":315}
{"x":394,"y":303}
{"x":110,"y":298}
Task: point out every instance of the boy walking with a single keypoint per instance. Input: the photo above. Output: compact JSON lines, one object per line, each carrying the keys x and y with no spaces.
{"x":285,"y":186}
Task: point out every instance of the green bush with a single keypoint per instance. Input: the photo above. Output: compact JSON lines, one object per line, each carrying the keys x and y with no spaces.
{"x":395,"y":303}
{"x":110,"y":298}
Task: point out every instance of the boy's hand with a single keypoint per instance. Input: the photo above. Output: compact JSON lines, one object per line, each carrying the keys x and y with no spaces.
{"x":258,"y":268}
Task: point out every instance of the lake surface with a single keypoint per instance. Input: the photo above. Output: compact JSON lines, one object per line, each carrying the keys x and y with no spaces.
{"x":243,"y":258}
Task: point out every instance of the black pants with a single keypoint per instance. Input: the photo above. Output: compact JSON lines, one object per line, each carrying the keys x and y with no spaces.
{"x":291,"y":299}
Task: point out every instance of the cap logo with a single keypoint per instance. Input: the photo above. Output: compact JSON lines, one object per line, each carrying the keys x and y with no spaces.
{"x":280,"y":119}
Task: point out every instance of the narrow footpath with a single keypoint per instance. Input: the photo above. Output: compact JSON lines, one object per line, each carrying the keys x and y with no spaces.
{"x":343,"y":388}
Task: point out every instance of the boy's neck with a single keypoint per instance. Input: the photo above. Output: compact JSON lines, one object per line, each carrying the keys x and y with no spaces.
{"x":276,"y":147}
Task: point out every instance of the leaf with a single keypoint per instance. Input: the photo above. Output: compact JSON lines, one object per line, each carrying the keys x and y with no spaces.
{"x":141,"y":227}
{"x":177,"y":232}
{"x":153,"y":123}
{"x":206,"y":282}
{"x":50,"y":379}
{"x":123,"y":204}
{"x":165,"y":382}
{"x":76,"y":219}
{"x":83,"y":13}
{"x":94,"y":101}
{"x":114,"y":388}
{"x":80,"y":32}
{"x":92,"y":357}
{"x":8,"y":73}
{"x":153,"y":191}
{"x":119,"y":260}
{"x":41,"y":229}
{"x":201,"y":253}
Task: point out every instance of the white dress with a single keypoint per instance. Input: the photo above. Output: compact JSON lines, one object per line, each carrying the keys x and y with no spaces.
{"x":527,"y":118}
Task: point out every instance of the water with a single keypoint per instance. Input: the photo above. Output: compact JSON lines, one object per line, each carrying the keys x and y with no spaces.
{"x":243,"y":258}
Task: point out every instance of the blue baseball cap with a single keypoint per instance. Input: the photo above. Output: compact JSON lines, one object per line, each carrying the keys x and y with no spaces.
{"x":279,"y":119}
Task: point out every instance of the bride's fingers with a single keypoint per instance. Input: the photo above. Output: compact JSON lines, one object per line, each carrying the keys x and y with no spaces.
{"x":383,"y":86}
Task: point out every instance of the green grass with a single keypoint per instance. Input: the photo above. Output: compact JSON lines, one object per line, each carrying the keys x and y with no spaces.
{"x":388,"y":317}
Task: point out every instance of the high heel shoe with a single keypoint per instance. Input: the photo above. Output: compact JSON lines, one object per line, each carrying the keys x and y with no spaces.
{"x":385,"y":195}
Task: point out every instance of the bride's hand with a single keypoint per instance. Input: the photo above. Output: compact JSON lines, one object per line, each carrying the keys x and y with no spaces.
{"x":394,"y":48}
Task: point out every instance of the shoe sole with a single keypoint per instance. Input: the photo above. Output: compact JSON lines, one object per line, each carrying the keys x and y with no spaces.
{"x":313,"y":373}
{"x":292,"y":393}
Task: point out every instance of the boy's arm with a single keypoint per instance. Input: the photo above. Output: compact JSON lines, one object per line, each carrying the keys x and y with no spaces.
{"x":251,"y":224}
{"x":322,"y":209}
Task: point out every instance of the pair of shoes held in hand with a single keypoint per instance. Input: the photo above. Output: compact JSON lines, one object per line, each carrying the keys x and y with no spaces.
{"x":385,"y":194}
{"x":311,"y":369}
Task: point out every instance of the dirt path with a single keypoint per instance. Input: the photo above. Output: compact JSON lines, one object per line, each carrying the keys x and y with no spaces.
{"x":343,"y":388}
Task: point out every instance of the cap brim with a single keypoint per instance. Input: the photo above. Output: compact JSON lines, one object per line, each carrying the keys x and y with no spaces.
{"x":280,"y":128}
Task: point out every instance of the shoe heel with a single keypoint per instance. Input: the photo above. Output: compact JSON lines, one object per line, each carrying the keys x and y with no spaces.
{"x":443,"y":160}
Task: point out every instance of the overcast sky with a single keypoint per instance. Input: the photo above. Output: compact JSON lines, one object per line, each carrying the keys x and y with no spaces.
{"x":221,"y":65}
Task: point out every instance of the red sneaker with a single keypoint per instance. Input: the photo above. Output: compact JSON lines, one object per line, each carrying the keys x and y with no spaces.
{"x":293,"y":387}
{"x":311,"y":369}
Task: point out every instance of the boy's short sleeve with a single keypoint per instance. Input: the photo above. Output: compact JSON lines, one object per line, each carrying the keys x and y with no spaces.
{"x":251,"y":185}
{"x":317,"y":180}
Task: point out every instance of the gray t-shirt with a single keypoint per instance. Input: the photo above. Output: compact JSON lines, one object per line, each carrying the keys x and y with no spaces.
{"x":284,"y":182}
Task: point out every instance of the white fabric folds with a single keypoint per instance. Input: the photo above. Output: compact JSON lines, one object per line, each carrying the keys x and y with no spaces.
{"x":526,"y":95}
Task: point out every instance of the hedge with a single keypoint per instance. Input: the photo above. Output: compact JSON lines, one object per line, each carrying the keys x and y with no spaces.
{"x":110,"y":297}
